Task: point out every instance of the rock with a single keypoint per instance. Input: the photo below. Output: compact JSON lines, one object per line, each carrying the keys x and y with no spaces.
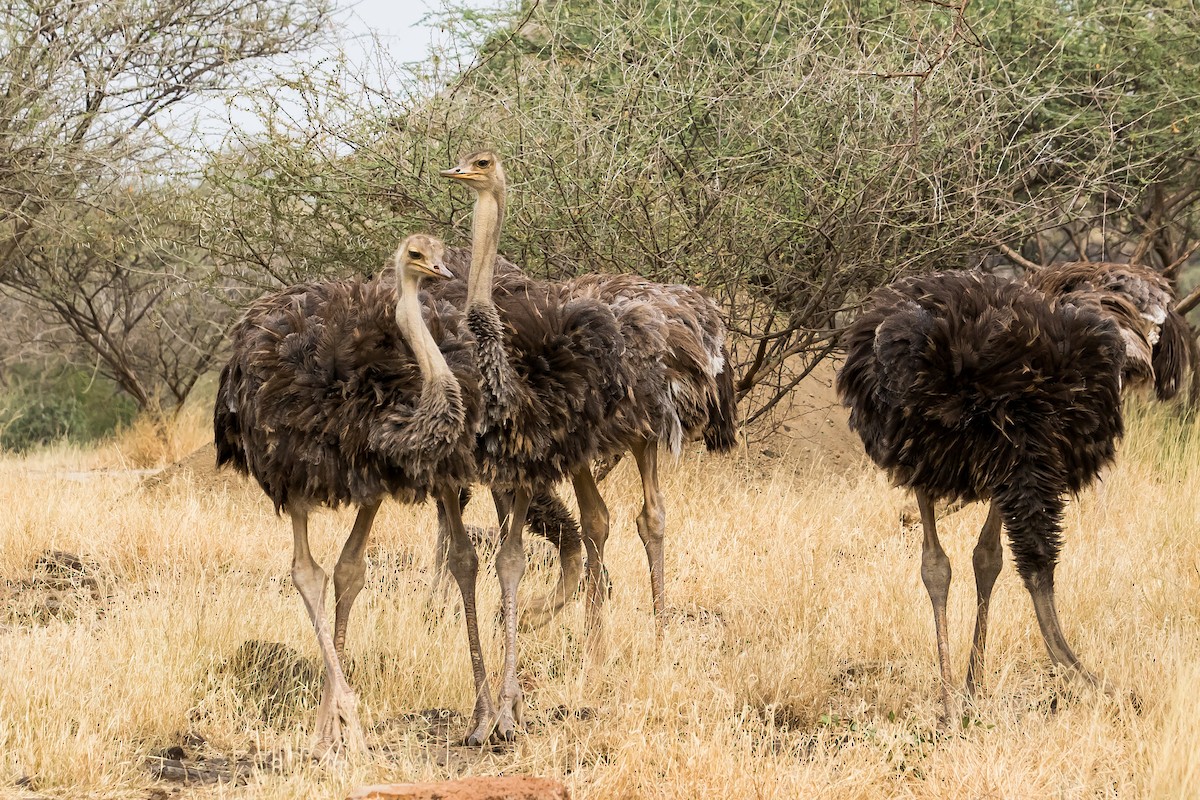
{"x":513,"y":787}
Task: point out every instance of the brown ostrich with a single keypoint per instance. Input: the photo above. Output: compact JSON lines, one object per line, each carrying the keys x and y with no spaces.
{"x":1160,"y":346}
{"x":968,"y":386}
{"x":682,"y":390}
{"x":551,"y":372}
{"x":345,"y":393}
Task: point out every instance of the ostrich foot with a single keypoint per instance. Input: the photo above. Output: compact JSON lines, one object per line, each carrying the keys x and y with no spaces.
{"x":338,"y":727}
{"x":540,"y":611}
{"x":510,"y":715}
{"x":482,"y":723}
{"x":946,"y":719}
{"x":1111,"y":691}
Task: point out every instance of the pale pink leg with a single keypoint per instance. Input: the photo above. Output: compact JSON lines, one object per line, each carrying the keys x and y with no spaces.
{"x":337,"y":717}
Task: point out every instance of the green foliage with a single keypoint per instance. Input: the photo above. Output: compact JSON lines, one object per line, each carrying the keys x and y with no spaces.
{"x":39,"y":408}
{"x":123,"y":291}
{"x":787,"y":157}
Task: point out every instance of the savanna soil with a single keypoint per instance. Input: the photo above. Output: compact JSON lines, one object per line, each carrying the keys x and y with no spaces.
{"x":173,"y":657}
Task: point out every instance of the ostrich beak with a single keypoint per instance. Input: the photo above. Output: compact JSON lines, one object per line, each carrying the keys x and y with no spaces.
{"x":455,"y":172}
{"x":439,"y":269}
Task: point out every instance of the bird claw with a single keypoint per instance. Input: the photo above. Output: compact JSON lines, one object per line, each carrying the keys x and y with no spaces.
{"x":510,"y":717}
{"x":480,"y":734}
{"x":338,"y":728}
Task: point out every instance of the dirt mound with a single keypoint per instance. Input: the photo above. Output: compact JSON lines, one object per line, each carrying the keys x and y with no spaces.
{"x":199,"y":470}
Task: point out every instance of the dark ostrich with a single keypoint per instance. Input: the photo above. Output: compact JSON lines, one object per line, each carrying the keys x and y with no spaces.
{"x":1160,"y":346}
{"x":681,"y":390}
{"x":548,"y":516}
{"x":344,"y":393}
{"x":972,"y":387}
{"x":551,"y":370}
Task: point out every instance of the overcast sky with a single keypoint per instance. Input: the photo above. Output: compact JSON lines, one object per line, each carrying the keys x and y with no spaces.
{"x":406,"y":29}
{"x":397,"y":23}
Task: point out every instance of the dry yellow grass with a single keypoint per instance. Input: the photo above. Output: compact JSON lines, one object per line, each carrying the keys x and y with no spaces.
{"x":799,"y":660}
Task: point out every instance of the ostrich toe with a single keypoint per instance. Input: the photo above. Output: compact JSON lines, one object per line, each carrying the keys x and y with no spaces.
{"x":338,"y":727}
{"x":510,"y":716}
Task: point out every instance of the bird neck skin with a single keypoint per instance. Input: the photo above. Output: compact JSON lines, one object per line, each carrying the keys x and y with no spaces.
{"x":412,"y":326}
{"x":485,"y":242}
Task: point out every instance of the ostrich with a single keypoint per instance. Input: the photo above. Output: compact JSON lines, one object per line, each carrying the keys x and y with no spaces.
{"x":551,"y":371}
{"x":968,"y":386}
{"x":1160,"y":347}
{"x":547,"y":517}
{"x":683,"y":390}
{"x":344,"y":393}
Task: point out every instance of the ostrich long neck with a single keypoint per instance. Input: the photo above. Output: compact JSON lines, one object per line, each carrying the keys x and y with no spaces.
{"x":498,"y":379}
{"x":412,"y":326}
{"x":440,"y":416}
{"x":485,"y":242}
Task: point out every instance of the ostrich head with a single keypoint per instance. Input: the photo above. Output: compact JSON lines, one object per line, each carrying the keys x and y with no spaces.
{"x":482,"y":173}
{"x":480,"y":170}
{"x":420,"y":256}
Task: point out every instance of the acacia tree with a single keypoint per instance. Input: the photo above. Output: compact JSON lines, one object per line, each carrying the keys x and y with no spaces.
{"x":123,"y":291}
{"x":85,"y":91}
{"x":787,"y":158}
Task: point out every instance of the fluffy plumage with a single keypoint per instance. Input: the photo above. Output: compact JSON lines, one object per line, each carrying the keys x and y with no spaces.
{"x":548,"y":515}
{"x":675,"y":348}
{"x":323,"y":404}
{"x":969,"y":386}
{"x":1160,"y":347}
{"x":551,"y":372}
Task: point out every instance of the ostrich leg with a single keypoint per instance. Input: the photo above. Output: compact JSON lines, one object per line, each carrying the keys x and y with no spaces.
{"x":544,"y":504}
{"x":464,"y":566}
{"x":935,"y":573}
{"x":438,"y":597}
{"x":1041,"y":588}
{"x":337,"y":718}
{"x":651,"y":523}
{"x":503,"y":501}
{"x":593,"y":519}
{"x":350,"y":574}
{"x":987,"y":560}
{"x":510,"y":566}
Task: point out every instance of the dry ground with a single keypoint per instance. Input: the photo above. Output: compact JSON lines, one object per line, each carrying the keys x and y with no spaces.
{"x":798,"y":661}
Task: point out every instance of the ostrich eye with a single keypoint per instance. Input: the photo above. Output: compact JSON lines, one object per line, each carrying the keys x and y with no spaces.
{"x":482,"y":163}
{"x":414,"y":255}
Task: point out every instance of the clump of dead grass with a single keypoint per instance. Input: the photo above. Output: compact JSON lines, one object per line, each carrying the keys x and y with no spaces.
{"x":153,"y":440}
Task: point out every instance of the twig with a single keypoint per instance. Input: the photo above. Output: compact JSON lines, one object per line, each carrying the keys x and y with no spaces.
{"x":512,"y":35}
{"x":1170,"y":269}
{"x":1188,"y":303}
{"x":1016,"y":257}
